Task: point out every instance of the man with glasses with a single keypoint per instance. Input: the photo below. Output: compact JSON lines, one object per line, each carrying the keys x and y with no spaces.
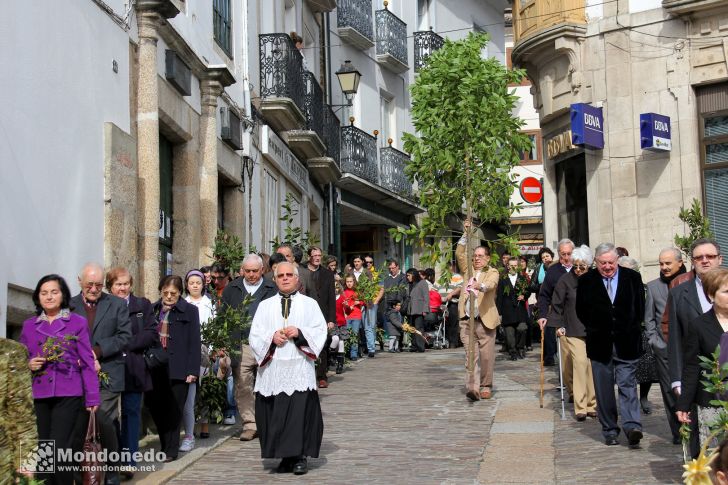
{"x":610,"y":302}
{"x":687,"y":301}
{"x":110,"y":331}
{"x":553,"y":274}
{"x":249,"y":283}
{"x":220,"y":279}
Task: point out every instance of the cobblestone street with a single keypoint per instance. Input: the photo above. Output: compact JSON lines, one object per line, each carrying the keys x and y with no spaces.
{"x":403,"y":418}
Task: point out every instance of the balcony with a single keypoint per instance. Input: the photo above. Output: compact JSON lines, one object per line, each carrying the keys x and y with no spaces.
{"x":359,"y":153}
{"x":322,"y":6}
{"x":392,"y":177}
{"x":308,"y":143}
{"x":534,"y":16}
{"x":426,"y":42}
{"x":354,"y":23}
{"x":282,"y":87}
{"x":391,"y":41}
{"x":326,"y":169}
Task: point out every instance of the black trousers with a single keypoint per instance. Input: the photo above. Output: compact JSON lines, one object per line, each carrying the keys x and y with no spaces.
{"x":452,"y":326}
{"x":515,"y":336}
{"x":549,"y":344}
{"x":57,"y":418}
{"x":322,"y":365}
{"x":418,"y":343}
{"x":166,"y":401}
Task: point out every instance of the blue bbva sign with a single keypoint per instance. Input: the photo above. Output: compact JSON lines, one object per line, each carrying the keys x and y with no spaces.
{"x":587,"y":126}
{"x":655,"y":132}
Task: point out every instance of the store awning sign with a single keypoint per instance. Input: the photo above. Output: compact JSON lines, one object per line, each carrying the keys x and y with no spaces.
{"x":587,"y":126}
{"x":655,"y":132}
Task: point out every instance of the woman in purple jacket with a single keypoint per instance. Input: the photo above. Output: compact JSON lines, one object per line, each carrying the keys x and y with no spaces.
{"x":60,"y":358}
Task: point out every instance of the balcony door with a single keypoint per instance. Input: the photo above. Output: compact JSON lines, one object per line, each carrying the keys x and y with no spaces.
{"x":387,"y":120}
{"x":423,"y":15}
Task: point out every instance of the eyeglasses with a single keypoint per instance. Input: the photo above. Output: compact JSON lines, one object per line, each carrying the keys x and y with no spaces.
{"x":581,"y":266}
{"x":170,"y":293}
{"x":285,"y":275}
{"x":705,"y":257}
{"x":219,"y":278}
{"x":90,"y":286}
{"x":369,"y":262}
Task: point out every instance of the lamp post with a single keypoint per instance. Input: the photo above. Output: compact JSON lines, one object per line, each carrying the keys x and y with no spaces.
{"x":349,"y":79}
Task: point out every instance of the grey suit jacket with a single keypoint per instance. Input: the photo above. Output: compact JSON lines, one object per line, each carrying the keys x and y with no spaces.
{"x":111,"y":333}
{"x":684,"y":307}
{"x":654,"y":308}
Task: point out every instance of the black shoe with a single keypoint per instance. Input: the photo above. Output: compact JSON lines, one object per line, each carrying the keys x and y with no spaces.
{"x":581,"y":417}
{"x":301,"y":467}
{"x":676,"y":440}
{"x":340,"y":364}
{"x":611,"y":441}
{"x":646,"y":407}
{"x":634,"y":436}
{"x":286,"y":465}
{"x":571,"y":399}
{"x":549,"y":363}
{"x":371,"y":356}
{"x":170,"y":459}
{"x":521,"y":354}
{"x":513,"y":357}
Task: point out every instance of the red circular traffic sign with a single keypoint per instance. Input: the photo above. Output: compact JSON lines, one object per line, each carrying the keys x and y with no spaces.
{"x":531,"y":190}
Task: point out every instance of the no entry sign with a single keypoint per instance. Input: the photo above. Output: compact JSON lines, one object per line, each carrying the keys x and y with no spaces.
{"x":531,"y":190}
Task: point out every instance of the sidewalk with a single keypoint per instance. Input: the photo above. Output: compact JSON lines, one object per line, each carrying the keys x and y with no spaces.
{"x":404,"y":418}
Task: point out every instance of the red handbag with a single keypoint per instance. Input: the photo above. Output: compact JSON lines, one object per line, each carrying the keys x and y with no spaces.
{"x":92,"y":467}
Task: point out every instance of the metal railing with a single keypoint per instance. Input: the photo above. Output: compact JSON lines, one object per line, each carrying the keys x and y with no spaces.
{"x":332,"y":135}
{"x":359,"y":153}
{"x":391,"y":35}
{"x":356,"y":14}
{"x":391,"y":174}
{"x":313,"y":105}
{"x":281,"y":69}
{"x":426,"y":42}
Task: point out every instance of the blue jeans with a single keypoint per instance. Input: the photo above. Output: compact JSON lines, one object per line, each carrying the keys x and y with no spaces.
{"x":370,"y":327}
{"x":353,"y":326}
{"x":131,"y":410}
{"x":230,"y":411}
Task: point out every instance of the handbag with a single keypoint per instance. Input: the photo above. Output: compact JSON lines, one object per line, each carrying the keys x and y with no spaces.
{"x":155,"y":357}
{"x":93,"y":468}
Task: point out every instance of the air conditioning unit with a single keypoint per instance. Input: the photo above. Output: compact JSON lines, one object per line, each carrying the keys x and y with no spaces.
{"x":177,"y":72}
{"x":231,"y":132}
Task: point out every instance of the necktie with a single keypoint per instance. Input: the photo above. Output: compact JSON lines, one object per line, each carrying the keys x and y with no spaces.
{"x":610,"y":290}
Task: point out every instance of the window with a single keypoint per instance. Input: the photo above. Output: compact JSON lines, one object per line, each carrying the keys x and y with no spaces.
{"x":534,"y":154}
{"x":715,"y":175}
{"x":222,"y":25}
{"x":423,"y":14}
{"x":270,"y":203}
{"x":387,"y":121}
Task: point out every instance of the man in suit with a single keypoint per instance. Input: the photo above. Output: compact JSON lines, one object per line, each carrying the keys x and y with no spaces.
{"x":553,"y":274}
{"x":671,"y":265}
{"x":610,"y":302}
{"x":512,"y":308}
{"x":249,"y":283}
{"x":324,"y":293}
{"x":110,"y":331}
{"x":686,"y":302}
{"x":482,"y":281}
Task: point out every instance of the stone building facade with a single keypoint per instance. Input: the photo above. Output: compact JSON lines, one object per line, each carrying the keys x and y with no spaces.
{"x":628,"y":58}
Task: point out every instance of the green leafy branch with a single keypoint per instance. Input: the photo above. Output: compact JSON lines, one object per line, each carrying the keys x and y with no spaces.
{"x":698,"y":224}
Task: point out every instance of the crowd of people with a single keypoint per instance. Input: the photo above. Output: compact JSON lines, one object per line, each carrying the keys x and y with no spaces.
{"x":108,"y":353}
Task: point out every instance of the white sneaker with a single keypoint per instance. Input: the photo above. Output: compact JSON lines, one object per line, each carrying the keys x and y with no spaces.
{"x":229,"y":420}
{"x":187,"y":444}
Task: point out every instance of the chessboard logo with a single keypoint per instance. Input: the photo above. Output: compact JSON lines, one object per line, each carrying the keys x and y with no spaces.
{"x":38,"y":456}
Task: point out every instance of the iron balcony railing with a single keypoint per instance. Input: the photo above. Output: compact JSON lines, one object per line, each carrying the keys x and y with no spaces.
{"x":392,"y":177}
{"x":391,"y":35}
{"x":359,"y":153}
{"x":332,"y":135}
{"x":356,"y":14}
{"x":426,"y":42}
{"x":281,"y":69}
{"x":313,"y":105}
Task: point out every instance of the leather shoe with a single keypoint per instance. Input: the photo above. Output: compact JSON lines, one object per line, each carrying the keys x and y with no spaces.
{"x":581,"y":417}
{"x":634,"y":436}
{"x":286,"y":465}
{"x":248,"y":435}
{"x":592,"y":414}
{"x":473,"y":395}
{"x":611,"y":441}
{"x":323,"y":384}
{"x":513,"y":357}
{"x":549,"y":363}
{"x":301,"y":467}
{"x":485,"y":394}
{"x":170,"y":459}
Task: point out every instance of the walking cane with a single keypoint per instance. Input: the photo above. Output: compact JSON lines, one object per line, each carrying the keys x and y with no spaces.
{"x":561,"y":380}
{"x":540,"y":401}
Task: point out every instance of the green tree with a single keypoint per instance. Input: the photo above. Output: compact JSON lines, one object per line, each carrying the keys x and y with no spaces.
{"x":698,"y":224}
{"x":467,"y":142}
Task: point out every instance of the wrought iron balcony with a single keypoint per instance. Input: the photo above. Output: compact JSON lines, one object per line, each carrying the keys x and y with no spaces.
{"x":282,"y":86}
{"x":426,"y":42}
{"x":391,"y":41}
{"x":313,"y":105}
{"x":354,"y":22}
{"x":326,"y":169}
{"x":359,"y":153}
{"x":391,"y":164}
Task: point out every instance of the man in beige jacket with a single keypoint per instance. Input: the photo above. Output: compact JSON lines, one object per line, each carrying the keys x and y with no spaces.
{"x":480,"y":283}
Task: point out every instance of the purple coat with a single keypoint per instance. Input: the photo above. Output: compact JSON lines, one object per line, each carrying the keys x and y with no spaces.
{"x":74,"y":374}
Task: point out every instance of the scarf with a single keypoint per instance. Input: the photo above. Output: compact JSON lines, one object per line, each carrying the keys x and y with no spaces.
{"x":164,"y":324}
{"x":668,"y":279}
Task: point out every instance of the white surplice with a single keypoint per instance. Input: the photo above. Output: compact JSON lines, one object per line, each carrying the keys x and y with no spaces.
{"x":290,"y":368}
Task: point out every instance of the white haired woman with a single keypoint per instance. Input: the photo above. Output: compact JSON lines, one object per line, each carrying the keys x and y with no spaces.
{"x":576,"y":366}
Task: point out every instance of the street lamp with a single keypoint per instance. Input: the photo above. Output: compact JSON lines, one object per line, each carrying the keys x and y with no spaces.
{"x":349,"y":79}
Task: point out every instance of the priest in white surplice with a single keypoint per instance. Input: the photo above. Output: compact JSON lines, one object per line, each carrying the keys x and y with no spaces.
{"x":286,"y":336}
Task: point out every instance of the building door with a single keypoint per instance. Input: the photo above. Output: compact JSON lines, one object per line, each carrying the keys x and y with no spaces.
{"x":571,"y":199}
{"x":165,"y":206}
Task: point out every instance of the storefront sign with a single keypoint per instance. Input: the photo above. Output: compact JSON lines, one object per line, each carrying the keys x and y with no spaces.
{"x":587,"y":126}
{"x":559,"y":144}
{"x":275,"y":151}
{"x":531,"y":190}
{"x":655,"y":132}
